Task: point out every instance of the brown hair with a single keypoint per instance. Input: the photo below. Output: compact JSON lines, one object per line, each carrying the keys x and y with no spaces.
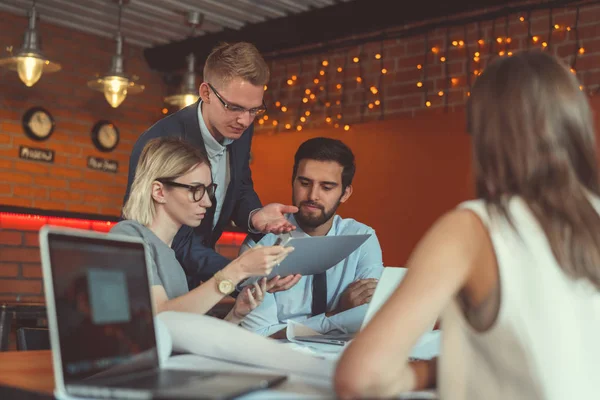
{"x":238,"y":60}
{"x":533,"y":137}
{"x":166,"y":157}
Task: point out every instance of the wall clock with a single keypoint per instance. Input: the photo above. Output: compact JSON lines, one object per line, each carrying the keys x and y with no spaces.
{"x":105,"y":136}
{"x":38,"y":123}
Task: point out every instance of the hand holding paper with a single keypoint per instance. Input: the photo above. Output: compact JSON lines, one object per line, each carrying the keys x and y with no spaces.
{"x":313,"y":254}
{"x":259,"y":261}
{"x":279,"y":284}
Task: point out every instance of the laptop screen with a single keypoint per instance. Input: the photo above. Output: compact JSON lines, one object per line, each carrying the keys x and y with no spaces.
{"x":103,"y":306}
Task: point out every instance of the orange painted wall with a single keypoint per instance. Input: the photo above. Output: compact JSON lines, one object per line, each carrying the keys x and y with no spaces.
{"x":409,"y":172}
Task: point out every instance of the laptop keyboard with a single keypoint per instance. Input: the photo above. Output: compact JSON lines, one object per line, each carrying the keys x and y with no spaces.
{"x":106,"y":393}
{"x":140,"y":387}
{"x":166,"y":378}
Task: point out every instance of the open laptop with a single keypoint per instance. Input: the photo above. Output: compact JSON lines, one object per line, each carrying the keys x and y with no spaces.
{"x":388,"y":282}
{"x":101,"y":320}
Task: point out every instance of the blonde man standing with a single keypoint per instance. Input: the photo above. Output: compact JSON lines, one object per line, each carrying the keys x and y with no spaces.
{"x":220,"y":124}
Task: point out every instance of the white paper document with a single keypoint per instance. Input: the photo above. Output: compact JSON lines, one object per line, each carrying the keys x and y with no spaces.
{"x":314,"y":254}
{"x":211,"y":344}
{"x":221,"y":340}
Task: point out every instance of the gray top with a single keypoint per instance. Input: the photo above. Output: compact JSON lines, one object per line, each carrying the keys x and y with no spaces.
{"x":166,"y":270}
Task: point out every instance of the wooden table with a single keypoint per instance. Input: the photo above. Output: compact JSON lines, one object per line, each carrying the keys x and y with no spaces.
{"x":30,"y":370}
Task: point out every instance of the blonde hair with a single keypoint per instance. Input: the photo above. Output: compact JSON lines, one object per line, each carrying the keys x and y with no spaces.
{"x":167,"y":157}
{"x":238,"y":60}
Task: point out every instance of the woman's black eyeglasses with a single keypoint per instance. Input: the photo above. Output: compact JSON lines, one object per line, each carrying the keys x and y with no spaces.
{"x":239,"y":109}
{"x":196,"y":190}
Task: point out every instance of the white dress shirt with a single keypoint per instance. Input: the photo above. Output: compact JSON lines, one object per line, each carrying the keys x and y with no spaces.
{"x":219,"y":163}
{"x":296,"y":303}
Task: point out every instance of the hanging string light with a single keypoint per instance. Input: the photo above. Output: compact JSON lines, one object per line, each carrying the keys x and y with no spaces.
{"x":306,"y":92}
{"x":277,"y":95}
{"x":507,"y":38}
{"x":577,"y":44}
{"x":265,"y":117}
{"x":425,"y":64}
{"x":326,"y":85}
{"x":341,"y":102}
{"x":478,"y":54}
{"x":446,"y":71}
{"x":550,"y":29}
{"x":579,"y":51}
{"x":467,"y":61}
{"x":377,"y":101}
{"x":363,"y":107}
{"x":316,"y":97}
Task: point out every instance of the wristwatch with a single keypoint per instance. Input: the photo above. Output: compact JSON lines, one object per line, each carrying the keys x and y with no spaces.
{"x":224,"y":285}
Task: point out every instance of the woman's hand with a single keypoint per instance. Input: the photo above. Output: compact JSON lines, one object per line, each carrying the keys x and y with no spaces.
{"x":249,"y":298}
{"x":259,"y":261}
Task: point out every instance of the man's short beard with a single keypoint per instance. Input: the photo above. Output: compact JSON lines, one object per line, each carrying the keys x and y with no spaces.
{"x":315,"y":221}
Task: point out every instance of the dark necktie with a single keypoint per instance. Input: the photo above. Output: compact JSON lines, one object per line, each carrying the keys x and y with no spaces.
{"x":319,"y":301}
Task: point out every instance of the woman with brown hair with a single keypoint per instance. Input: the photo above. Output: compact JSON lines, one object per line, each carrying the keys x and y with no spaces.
{"x":515,"y":274}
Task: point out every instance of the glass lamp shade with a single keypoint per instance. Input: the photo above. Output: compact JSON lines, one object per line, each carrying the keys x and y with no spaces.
{"x":182,"y":100}
{"x":115,"y":88}
{"x":29,"y":66}
{"x":30,"y":70}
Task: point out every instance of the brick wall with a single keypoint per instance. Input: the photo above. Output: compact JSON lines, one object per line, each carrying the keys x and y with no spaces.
{"x":20,"y":272}
{"x":20,"y":269}
{"x":397,"y":89}
{"x":68,"y":184}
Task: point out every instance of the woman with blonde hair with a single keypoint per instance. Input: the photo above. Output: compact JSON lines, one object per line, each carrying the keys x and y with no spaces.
{"x":515,"y":274}
{"x":173,"y":187}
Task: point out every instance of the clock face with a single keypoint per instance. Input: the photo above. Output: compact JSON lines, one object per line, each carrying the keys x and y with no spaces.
{"x":38,"y":124}
{"x":105,"y":136}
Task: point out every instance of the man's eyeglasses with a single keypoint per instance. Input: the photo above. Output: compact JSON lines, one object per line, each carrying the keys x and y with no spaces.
{"x":238,"y":109}
{"x":197,"y":191}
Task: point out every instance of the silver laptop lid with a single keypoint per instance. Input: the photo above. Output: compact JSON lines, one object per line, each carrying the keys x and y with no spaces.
{"x":388,"y":282}
{"x":99,"y":304}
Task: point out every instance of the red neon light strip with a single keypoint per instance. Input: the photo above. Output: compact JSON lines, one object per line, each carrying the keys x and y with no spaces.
{"x":32,"y":222}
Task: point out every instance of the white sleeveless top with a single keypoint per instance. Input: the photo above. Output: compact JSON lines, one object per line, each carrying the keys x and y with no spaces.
{"x":545,"y":342}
